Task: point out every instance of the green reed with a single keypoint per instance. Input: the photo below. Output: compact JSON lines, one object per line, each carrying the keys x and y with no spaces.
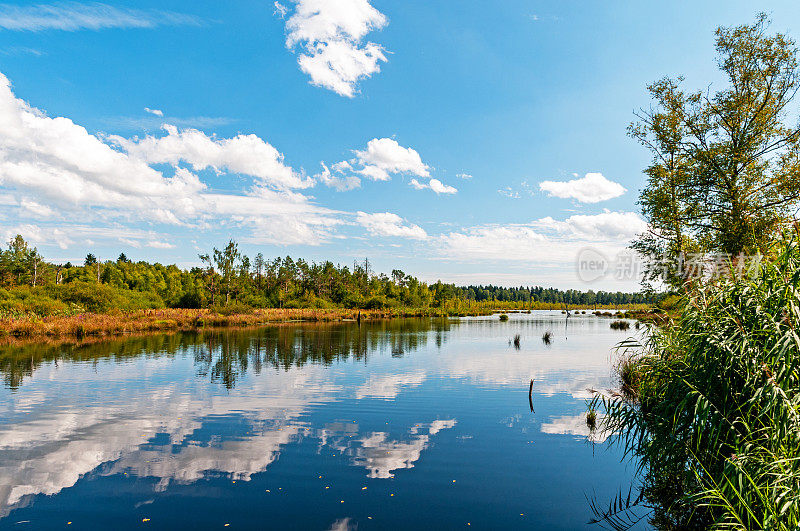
{"x":709,"y":405}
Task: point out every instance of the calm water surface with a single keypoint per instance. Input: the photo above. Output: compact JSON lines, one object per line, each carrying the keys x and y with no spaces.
{"x":400,"y":424}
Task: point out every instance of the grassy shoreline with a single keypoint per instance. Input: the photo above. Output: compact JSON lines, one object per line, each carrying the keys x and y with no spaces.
{"x":118,"y":323}
{"x":122,"y":323}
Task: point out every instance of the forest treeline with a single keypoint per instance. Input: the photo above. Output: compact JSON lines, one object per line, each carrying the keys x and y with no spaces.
{"x":227,"y":278}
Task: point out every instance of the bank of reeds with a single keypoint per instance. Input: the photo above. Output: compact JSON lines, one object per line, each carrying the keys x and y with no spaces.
{"x":119,"y":323}
{"x":710,"y":405}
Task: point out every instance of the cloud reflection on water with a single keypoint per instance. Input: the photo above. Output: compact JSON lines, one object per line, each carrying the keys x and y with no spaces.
{"x":145,"y":409}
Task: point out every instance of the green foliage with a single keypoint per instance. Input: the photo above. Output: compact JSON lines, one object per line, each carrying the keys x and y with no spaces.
{"x":102,"y":298}
{"x":670,"y":302}
{"x":710,"y":406}
{"x":723,"y":177}
{"x":230,"y":279}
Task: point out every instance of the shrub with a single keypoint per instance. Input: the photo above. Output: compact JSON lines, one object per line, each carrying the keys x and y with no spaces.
{"x":376,"y":303}
{"x":101,"y":298}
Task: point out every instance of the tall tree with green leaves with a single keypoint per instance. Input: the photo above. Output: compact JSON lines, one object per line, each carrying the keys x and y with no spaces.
{"x":668,"y":198}
{"x":227,"y":262}
{"x":725,"y":173}
{"x":22,"y":263}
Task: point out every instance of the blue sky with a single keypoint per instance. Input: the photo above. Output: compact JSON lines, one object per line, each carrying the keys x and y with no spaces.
{"x":399,"y":100}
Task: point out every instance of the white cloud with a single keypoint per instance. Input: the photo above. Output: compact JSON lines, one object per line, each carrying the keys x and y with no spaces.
{"x":280,"y":10}
{"x":417,"y":185}
{"x":336,"y":177}
{"x":437,"y":186}
{"x":592,"y":188}
{"x":160,"y":245}
{"x":244,"y":154}
{"x":154,"y":122}
{"x":38,"y":210}
{"x":154,"y":111}
{"x":388,"y":224}
{"x":509,"y":192}
{"x":330,"y":36}
{"x":545,"y":240}
{"x":21,"y":50}
{"x":382,"y":158}
{"x":434,"y":184}
{"x":75,"y":16}
{"x":495,"y":242}
{"x":68,"y":234}
{"x":85,"y":179}
{"x":603,"y":226}
{"x":464,"y":176}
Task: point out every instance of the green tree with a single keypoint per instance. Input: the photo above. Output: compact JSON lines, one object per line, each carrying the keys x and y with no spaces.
{"x":725,"y":170}
{"x":225,"y":261}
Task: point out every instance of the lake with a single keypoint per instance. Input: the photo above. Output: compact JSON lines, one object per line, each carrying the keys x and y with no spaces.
{"x":421,"y":423}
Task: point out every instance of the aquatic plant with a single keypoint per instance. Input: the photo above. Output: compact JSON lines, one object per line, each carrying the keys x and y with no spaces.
{"x":503,"y":317}
{"x":516,"y":341}
{"x":547,"y":337}
{"x":620,"y":325}
{"x":591,"y":420}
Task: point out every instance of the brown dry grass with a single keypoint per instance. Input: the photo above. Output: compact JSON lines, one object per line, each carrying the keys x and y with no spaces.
{"x":122,"y":323}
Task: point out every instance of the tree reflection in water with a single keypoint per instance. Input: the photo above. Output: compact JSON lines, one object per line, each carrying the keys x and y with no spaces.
{"x":227,"y":355}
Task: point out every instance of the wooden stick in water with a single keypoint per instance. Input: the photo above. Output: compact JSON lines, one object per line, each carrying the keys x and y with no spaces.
{"x":530,"y":396}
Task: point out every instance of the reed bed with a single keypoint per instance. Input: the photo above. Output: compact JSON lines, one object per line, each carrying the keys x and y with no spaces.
{"x":120,"y":323}
{"x":620,"y":325}
{"x":710,"y":406}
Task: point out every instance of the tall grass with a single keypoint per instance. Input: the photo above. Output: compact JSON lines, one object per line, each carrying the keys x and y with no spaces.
{"x":131,"y":322}
{"x":710,"y":405}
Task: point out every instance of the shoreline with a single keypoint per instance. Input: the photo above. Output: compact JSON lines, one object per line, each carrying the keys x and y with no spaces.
{"x":115,"y":324}
{"x":119,"y":323}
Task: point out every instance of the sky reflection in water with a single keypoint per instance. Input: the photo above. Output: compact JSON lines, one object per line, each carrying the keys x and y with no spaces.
{"x":413,"y":423}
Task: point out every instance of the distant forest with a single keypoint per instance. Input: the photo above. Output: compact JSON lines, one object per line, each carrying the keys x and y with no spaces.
{"x":30,"y":284}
